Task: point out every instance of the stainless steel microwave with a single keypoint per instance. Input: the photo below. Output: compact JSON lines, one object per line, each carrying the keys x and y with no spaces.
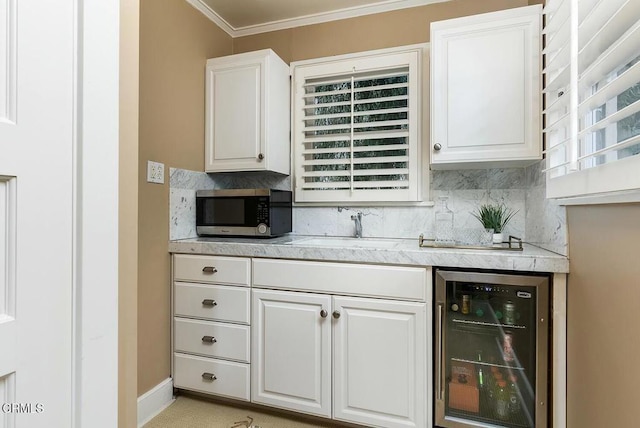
{"x":243,"y":212}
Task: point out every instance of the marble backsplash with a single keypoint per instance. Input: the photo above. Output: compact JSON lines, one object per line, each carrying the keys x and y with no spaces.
{"x":465,"y":190}
{"x":537,"y":220}
{"x":545,"y":221}
{"x":182,"y":201}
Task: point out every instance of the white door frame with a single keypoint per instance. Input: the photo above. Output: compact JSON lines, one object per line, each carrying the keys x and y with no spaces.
{"x":95,"y":285}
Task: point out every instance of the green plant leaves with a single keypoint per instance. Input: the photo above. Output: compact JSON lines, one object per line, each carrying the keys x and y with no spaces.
{"x":494,"y":217}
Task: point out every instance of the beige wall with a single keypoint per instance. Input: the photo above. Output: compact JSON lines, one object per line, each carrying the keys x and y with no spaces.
{"x":175,"y":41}
{"x":402,"y":27}
{"x":603,"y":311}
{"x":128,"y":216}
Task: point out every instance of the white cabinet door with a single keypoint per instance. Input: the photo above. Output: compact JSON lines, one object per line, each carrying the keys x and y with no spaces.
{"x":380,"y":362}
{"x":235,"y":102}
{"x":291,"y":355}
{"x":485,"y":86}
{"x":247,"y":113}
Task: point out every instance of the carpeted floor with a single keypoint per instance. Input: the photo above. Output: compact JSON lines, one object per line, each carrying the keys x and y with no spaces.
{"x":191,"y":412}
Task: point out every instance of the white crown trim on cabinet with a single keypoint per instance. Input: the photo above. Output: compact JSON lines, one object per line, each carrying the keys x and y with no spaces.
{"x":152,"y":402}
{"x":317,"y":18}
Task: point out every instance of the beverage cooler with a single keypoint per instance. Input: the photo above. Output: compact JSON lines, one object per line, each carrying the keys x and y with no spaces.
{"x":491,"y":350}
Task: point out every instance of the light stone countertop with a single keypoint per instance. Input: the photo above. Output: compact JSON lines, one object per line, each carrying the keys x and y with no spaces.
{"x":395,"y":251}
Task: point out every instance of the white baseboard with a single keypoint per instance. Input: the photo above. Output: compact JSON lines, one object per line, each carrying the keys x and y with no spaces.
{"x":152,"y":402}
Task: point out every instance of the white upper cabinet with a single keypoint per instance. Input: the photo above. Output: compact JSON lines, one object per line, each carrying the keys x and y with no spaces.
{"x":485,"y":89}
{"x":247,"y":113}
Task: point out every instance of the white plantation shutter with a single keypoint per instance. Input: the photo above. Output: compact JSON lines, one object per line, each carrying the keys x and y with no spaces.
{"x":558,"y":94}
{"x":356,"y":129}
{"x":592,"y":96}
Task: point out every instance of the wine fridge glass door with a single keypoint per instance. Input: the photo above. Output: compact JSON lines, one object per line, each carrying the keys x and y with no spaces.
{"x":491,"y":344}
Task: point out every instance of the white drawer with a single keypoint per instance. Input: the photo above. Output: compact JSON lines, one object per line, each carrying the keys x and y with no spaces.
{"x":212,"y":302}
{"x":212,"y":339}
{"x":219,"y":270}
{"x":395,"y":282}
{"x":231,"y":379}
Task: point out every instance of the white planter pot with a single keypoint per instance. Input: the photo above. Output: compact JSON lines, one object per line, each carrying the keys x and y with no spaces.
{"x":498,"y":238}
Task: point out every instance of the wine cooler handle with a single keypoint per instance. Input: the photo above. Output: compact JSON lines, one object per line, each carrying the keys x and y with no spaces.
{"x":440,"y":357}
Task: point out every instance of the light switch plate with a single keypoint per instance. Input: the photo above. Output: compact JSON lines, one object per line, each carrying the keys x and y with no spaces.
{"x":155,"y":172}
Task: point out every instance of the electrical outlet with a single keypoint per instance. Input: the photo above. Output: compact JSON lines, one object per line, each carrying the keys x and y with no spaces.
{"x":155,"y":172}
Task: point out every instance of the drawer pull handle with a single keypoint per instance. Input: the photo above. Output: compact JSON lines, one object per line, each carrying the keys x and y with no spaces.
{"x":209,"y":302}
{"x":336,"y":314}
{"x":324,"y":313}
{"x":209,"y":339}
{"x":209,"y":269}
{"x":209,"y":377}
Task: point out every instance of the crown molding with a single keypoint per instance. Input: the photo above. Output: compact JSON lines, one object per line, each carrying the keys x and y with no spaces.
{"x":317,"y":18}
{"x":213,"y":16}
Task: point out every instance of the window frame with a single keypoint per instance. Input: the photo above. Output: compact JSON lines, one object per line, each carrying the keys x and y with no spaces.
{"x":586,"y":181}
{"x":416,"y":58}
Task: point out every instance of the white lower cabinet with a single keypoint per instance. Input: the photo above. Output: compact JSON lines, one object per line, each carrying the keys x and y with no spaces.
{"x":292,"y":351}
{"x":379,"y":362}
{"x":221,"y":340}
{"x":211,"y":325}
{"x":212,"y":302}
{"x":368,"y":354}
{"x":219,"y":377}
{"x":346,"y":341}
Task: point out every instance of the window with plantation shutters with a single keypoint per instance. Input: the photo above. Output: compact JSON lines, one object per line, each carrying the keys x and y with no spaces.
{"x":592,"y":98}
{"x":356,"y":128}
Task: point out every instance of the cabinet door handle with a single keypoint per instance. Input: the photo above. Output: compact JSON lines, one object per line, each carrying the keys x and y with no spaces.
{"x":260,"y":157}
{"x":324,"y":313}
{"x":437,"y":147}
{"x":209,"y":269}
{"x":209,"y":377}
{"x":209,"y":339}
{"x":336,"y":314}
{"x":209,"y":302}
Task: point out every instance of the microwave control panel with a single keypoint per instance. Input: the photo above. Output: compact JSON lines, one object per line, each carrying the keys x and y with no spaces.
{"x":263,"y":210}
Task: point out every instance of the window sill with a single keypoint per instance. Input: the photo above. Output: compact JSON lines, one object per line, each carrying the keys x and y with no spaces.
{"x":631,"y":196}
{"x":363,"y":204}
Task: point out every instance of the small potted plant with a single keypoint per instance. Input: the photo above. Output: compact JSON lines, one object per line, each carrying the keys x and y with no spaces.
{"x":494,"y":217}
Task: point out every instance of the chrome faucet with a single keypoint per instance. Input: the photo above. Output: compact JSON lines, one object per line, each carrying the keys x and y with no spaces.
{"x":358,"y":219}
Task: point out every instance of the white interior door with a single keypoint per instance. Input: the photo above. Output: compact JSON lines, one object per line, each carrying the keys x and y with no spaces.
{"x":36,"y":212}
